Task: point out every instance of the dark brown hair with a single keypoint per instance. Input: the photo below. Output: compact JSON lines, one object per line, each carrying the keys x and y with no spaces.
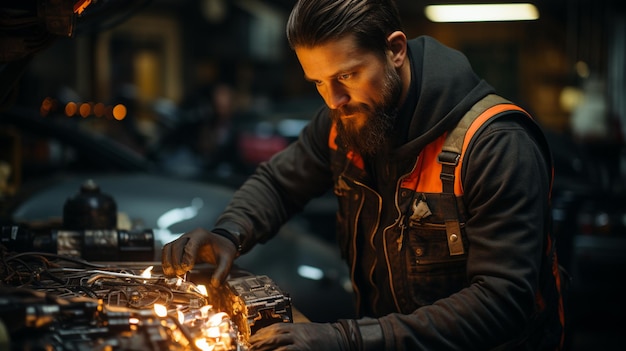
{"x":315,"y":22}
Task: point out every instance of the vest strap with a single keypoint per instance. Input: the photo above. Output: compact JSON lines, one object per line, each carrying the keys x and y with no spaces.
{"x":449,"y":159}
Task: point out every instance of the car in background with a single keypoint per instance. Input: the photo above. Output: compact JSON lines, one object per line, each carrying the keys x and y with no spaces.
{"x":56,"y":158}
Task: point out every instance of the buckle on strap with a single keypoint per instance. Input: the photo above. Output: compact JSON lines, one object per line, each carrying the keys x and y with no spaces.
{"x":449,"y":158}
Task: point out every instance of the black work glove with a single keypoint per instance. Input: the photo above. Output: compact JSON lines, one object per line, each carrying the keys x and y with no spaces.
{"x":199,"y":245}
{"x":299,"y":336}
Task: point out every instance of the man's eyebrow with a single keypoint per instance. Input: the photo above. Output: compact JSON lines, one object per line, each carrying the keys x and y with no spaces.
{"x":335,"y":74}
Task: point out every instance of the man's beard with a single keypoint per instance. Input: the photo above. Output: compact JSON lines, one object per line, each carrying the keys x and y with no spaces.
{"x":379,"y":118}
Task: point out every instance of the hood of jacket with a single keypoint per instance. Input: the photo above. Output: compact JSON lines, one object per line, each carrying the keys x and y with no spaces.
{"x":446,"y":88}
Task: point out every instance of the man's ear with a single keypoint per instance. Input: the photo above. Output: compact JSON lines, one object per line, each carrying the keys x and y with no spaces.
{"x":397,"y":47}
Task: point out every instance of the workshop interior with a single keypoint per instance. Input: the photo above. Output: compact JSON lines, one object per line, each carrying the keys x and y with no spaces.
{"x":125,"y":123}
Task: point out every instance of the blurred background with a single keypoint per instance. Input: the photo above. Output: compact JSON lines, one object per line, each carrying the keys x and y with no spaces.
{"x":170,"y":104}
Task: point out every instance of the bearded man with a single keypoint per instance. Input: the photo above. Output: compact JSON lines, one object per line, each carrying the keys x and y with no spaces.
{"x":447,"y":241}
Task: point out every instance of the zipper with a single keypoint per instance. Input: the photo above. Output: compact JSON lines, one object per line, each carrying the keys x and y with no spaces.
{"x":400,"y":240}
{"x":400,"y":223}
{"x":371,"y":241}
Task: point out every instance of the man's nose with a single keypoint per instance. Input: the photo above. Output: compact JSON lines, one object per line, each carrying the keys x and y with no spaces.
{"x":335,"y":97}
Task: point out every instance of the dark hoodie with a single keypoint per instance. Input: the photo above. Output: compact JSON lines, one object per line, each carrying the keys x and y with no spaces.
{"x":506,"y":179}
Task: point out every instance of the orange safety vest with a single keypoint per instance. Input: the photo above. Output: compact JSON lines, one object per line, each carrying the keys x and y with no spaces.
{"x":449,"y":149}
{"x":444,"y":176}
{"x":439,"y":165}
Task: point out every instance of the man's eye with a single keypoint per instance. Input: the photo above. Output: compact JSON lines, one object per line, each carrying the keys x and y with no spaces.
{"x":345,"y":76}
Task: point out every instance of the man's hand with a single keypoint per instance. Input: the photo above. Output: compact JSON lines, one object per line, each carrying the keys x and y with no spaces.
{"x":299,"y":336}
{"x":199,"y":245}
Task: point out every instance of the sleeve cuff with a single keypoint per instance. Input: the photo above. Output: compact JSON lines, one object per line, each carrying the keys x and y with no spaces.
{"x":363,"y":334}
{"x":230,"y":236}
{"x":234,"y":233}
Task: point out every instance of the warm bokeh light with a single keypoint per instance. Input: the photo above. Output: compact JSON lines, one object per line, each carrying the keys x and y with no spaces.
{"x":71,"y":109}
{"x":582,"y":69}
{"x":119,"y":112}
{"x":160,"y":310}
{"x":147,"y":273}
{"x":213,"y":332}
{"x":99,"y":109}
{"x":46,"y":106}
{"x":85,"y":109}
{"x":216,"y":319}
{"x":203,"y":345}
{"x":570,"y":98}
{"x":204,"y":311}
{"x":202,"y":289}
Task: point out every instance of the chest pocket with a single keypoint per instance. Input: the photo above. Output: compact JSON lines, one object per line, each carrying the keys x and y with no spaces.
{"x":445,"y":209}
{"x":436,"y":246}
{"x":432,"y":272}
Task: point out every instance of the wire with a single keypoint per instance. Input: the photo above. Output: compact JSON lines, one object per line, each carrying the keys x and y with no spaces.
{"x":40,"y":280}
{"x":118,"y":286}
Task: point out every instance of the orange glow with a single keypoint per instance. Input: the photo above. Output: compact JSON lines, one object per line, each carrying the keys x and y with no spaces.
{"x":216,"y":319}
{"x":119,"y":112}
{"x":99,"y":109}
{"x":71,"y":109}
{"x":160,"y":310}
{"x":47,"y":103}
{"x":85,"y":109}
{"x":202,"y":289}
{"x":203,"y":345}
{"x":147,"y":273}
{"x":80,"y":6}
{"x":46,"y":106}
{"x":204,"y":311}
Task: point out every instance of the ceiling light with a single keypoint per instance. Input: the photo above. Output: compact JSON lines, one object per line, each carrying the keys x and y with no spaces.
{"x":481,"y":12}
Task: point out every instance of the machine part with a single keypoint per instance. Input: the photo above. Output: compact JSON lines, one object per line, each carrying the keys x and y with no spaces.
{"x":54,"y":302}
{"x":106,"y":245}
{"x":41,"y":321}
{"x":64,"y":303}
{"x":254,"y":302}
{"x":92,"y":245}
{"x":90,"y":209}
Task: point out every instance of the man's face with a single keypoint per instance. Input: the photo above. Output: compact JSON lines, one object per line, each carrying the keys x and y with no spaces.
{"x":361,"y":89}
